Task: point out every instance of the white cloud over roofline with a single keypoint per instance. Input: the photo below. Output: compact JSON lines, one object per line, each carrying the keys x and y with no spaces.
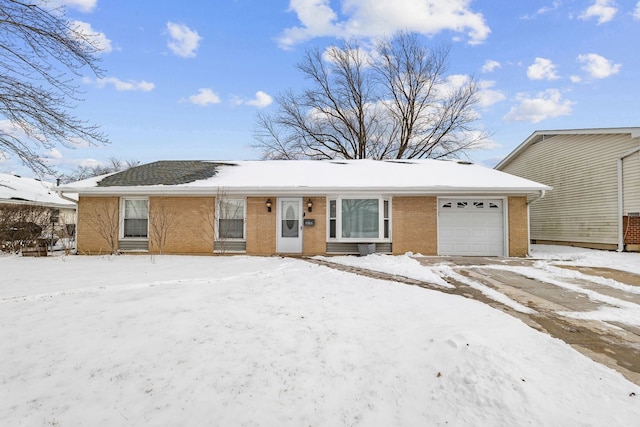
{"x":597,"y":66}
{"x":124,"y":86}
{"x":374,"y":18}
{"x":490,"y":65}
{"x":603,"y":10}
{"x":488,"y":96}
{"x":539,"y":107}
{"x":542,"y":69}
{"x":81,"y":5}
{"x":183,"y":41}
{"x":98,"y":38}
{"x":205,"y":96}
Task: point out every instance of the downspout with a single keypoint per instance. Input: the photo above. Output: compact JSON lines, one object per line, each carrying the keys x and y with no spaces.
{"x":540,"y":196}
{"x":75,"y":202}
{"x":621,"y":197}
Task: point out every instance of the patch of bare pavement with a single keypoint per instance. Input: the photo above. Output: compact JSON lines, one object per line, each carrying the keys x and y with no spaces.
{"x":614,"y":344}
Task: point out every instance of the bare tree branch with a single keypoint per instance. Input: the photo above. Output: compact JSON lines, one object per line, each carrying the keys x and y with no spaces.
{"x":41,"y":55}
{"x":396,"y":102}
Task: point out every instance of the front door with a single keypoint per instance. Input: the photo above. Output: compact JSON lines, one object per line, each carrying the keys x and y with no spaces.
{"x":290,"y":225}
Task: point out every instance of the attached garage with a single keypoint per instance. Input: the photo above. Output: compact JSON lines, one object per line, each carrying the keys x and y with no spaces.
{"x":431,"y":207}
{"x":471,"y":227}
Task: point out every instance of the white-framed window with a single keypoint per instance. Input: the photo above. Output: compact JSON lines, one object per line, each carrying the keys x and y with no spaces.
{"x":135,"y":218}
{"x":359,"y":218}
{"x":230,"y":214}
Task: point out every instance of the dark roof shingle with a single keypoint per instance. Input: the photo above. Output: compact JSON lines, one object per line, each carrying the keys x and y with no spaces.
{"x":164,"y":172}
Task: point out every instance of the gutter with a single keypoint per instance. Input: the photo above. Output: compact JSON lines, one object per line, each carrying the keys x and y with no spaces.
{"x":296,"y":191}
{"x":621,"y":197}
{"x":62,"y":196}
{"x":75,"y":217}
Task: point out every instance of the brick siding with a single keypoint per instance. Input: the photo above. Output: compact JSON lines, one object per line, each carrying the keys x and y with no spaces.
{"x":631,"y":230}
{"x":415,"y":225}
{"x":518,"y":227}
{"x":261,"y":226}
{"x":93,"y":216}
{"x":315,"y":237}
{"x":190,"y":224}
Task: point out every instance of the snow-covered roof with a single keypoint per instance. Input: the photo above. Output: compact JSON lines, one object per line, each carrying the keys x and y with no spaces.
{"x":16,"y":189}
{"x":307,"y":177}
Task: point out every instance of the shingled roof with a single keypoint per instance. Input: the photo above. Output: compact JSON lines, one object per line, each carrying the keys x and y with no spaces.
{"x":165,"y":172}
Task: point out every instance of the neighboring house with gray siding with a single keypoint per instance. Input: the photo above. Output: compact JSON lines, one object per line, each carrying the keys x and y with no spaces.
{"x":595,"y":175}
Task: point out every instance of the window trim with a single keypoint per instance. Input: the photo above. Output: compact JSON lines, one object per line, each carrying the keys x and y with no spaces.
{"x":338,"y":219}
{"x":122,"y":218}
{"x":244,"y":220}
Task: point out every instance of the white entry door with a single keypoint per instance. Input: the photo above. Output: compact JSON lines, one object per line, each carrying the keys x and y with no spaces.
{"x":290,"y":226}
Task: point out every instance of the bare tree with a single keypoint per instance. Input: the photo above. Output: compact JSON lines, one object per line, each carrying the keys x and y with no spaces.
{"x":208,"y":217}
{"x":393,"y":102}
{"x":113,"y":165}
{"x":22,"y":226}
{"x":40,"y":54}
{"x":105,"y":221}
{"x":161,"y":220}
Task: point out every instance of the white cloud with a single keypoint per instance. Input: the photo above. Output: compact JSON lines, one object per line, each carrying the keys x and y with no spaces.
{"x":54,"y":153}
{"x":544,"y":10}
{"x":119,"y":85}
{"x":604,"y":10}
{"x":81,"y":5}
{"x":542,"y":106}
{"x":205,"y":96}
{"x":490,"y":65}
{"x":598,"y":67}
{"x":183,"y":41}
{"x":542,"y":69}
{"x":261,"y":100}
{"x":636,"y":12}
{"x":99,"y":39}
{"x":375,"y":18}
{"x":488,"y":96}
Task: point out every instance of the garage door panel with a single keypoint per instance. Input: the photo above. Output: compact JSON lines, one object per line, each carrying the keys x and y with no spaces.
{"x":471,"y":227}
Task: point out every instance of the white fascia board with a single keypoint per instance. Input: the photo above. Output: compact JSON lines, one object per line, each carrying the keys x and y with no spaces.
{"x":305,"y":191}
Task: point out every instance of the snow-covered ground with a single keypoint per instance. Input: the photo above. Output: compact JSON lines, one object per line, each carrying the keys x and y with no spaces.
{"x":545,"y":262}
{"x":247,"y":341}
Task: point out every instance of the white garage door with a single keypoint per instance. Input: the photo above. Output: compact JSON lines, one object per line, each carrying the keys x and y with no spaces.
{"x":470,"y":227}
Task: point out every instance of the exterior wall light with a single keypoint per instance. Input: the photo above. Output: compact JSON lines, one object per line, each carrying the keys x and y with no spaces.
{"x":268,"y":205}
{"x":309,"y":205}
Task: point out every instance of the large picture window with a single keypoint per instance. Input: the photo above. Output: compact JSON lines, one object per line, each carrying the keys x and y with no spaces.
{"x":231,"y":219}
{"x":136,"y":218}
{"x":358,"y":219}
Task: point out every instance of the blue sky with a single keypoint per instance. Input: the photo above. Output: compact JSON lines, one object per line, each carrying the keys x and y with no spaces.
{"x":184,"y":80}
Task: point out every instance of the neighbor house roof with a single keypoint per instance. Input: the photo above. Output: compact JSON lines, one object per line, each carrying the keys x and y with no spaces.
{"x":540,"y":135}
{"x":19,"y":190}
{"x":306,"y":176}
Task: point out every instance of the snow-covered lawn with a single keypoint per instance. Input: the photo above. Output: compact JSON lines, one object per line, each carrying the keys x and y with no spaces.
{"x":247,"y":341}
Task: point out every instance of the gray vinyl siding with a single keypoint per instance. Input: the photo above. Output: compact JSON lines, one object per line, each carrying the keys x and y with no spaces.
{"x":343,"y":248}
{"x":133,"y":245}
{"x":582,"y":169}
{"x":230,"y":246}
{"x":631,"y":183}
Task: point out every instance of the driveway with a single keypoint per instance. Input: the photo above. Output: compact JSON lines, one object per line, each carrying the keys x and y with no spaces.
{"x":595,"y":310}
